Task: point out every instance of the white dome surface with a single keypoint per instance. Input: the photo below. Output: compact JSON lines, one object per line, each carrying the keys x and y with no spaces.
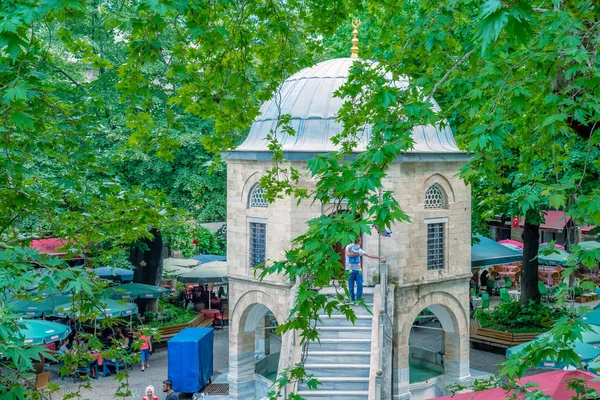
{"x":308,"y":96}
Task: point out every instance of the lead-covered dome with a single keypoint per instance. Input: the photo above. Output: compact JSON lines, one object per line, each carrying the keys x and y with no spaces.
{"x":308,"y":96}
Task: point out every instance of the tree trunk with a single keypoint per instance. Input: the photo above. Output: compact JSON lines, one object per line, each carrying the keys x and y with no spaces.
{"x":146,"y":256}
{"x":529,"y":275}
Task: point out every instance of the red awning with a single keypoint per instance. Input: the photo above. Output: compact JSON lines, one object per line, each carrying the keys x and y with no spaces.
{"x":587,"y":228}
{"x":555,"y":221}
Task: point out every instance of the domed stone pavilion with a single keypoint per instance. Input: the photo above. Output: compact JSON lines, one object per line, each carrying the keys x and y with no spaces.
{"x":428,"y":259}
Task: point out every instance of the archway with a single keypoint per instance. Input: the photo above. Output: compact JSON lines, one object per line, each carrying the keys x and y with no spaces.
{"x":432,"y":346}
{"x":426,"y":345}
{"x":253,"y":351}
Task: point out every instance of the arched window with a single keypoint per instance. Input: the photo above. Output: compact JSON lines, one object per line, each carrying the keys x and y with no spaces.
{"x":256,"y":198}
{"x":435,"y":197}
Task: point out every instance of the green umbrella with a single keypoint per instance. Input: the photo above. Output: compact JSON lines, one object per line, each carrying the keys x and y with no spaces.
{"x":214,"y":271}
{"x":591,"y":337}
{"x":589,"y":245}
{"x":585,"y":351}
{"x":595,"y":365}
{"x":558,"y":257}
{"x":592,"y":318}
{"x":137,"y":290}
{"x":37,"y":331}
{"x":112,"y":308}
{"x":38,"y":306}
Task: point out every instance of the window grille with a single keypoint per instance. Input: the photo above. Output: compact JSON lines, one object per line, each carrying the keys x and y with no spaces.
{"x":256,"y":198}
{"x":258,"y":243}
{"x":435,"y":197}
{"x":435,"y":246}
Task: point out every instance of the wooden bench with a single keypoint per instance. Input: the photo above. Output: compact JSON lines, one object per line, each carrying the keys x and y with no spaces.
{"x":167,"y":332}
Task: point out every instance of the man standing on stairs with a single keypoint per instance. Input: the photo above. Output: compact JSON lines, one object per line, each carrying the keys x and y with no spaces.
{"x":354,"y":267}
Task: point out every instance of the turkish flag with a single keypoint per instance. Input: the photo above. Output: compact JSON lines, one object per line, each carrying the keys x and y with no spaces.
{"x":515,"y":223}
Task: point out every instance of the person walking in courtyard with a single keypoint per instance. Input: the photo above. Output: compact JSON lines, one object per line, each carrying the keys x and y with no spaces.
{"x":150,"y":394}
{"x":168,"y":389}
{"x":145,"y":350}
{"x":354,"y":268}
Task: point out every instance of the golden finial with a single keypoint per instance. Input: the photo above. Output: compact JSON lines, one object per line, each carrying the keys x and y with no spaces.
{"x":354,"y":48}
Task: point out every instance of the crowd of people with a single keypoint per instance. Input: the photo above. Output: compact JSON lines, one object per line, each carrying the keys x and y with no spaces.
{"x":121,"y":337}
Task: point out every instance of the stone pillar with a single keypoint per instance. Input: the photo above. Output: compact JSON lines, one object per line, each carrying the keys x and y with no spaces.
{"x":267,"y":334}
{"x":400,"y":376}
{"x":263,"y":338}
{"x":456,"y":357}
{"x":241,"y":365}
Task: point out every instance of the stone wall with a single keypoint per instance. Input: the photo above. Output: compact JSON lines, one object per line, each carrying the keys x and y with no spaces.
{"x":445,"y":291}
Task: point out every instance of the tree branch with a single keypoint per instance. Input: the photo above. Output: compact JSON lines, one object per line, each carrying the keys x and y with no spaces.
{"x":447,"y":74}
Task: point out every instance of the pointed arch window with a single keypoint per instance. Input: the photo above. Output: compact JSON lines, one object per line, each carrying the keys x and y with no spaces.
{"x":256,"y":198}
{"x":435,"y":197}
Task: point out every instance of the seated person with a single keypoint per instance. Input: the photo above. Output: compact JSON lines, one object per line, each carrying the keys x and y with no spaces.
{"x":484,"y":278}
{"x":64,"y":346}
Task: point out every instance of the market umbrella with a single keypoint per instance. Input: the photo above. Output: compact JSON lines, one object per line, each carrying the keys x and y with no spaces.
{"x":556,"y":245}
{"x":512,"y":243}
{"x":112,"y":308}
{"x":487,"y":253}
{"x":553,"y":384}
{"x":37,"y":331}
{"x":206,"y":258}
{"x":592,"y":318}
{"x":180,"y":262}
{"x":591,"y":337}
{"x":173,"y":271}
{"x":589,"y":245}
{"x":114,"y":274}
{"x":212,"y":272}
{"x":512,"y":247}
{"x":137,"y":290}
{"x":586,"y":352}
{"x":558,"y":257}
{"x":38,"y":306}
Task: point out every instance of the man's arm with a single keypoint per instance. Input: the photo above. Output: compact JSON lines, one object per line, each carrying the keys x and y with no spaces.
{"x":373,"y":256}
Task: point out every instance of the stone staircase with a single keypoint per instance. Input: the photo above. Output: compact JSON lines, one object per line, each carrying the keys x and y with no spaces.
{"x":341,"y":361}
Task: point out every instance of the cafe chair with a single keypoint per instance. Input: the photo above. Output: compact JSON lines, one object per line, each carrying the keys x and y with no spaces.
{"x":543,"y":291}
{"x":116,"y":364}
{"x":485,"y":301}
{"x":218,"y":321}
{"x":508,"y":282}
{"x":504,"y":296}
{"x":490,"y":286}
{"x":41,"y":382}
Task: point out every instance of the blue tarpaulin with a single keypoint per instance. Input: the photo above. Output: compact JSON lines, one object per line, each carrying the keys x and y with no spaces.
{"x":487,"y":252}
{"x":191,"y":359}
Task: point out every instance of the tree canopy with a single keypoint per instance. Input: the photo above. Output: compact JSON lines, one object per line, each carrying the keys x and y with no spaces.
{"x":104,"y":105}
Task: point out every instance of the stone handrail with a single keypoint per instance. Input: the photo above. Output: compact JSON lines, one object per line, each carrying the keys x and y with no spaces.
{"x":375,"y":381}
{"x":380,"y":378}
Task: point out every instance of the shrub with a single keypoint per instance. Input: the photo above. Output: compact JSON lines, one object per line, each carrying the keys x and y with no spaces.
{"x":170,"y":314}
{"x":514,"y":318}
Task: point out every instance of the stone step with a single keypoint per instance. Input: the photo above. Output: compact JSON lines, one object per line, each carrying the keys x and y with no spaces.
{"x":352,"y":344}
{"x":340,"y":320}
{"x":334,"y":394}
{"x":333,"y":370}
{"x":359,"y":310}
{"x":345,"y":332}
{"x":342,"y":357}
{"x":339,"y":383}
